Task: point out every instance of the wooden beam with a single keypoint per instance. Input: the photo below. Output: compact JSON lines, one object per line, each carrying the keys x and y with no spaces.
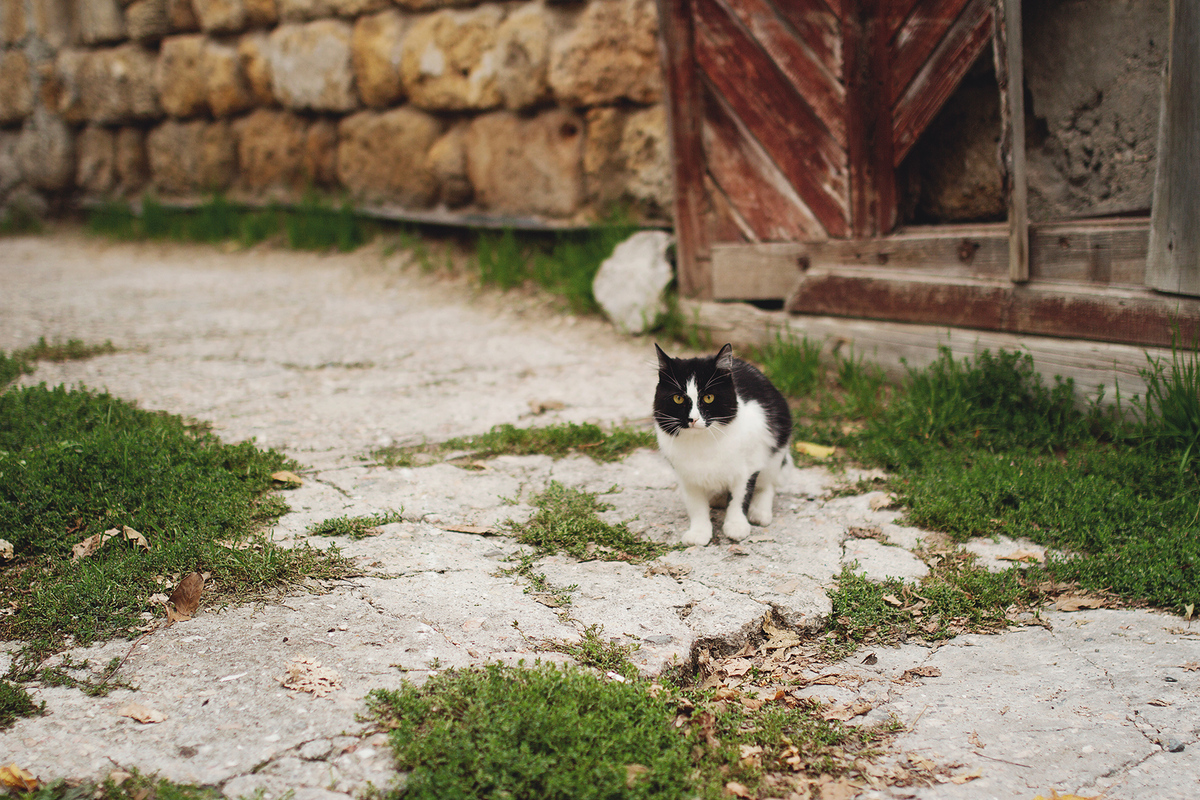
{"x":676,"y":39}
{"x":1010,"y":73}
{"x":1173,"y":261}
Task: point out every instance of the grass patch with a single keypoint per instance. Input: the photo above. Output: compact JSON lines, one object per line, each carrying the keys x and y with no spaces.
{"x":555,"y":440}
{"x":15,"y":702}
{"x":24,"y":361}
{"x":19,"y":219}
{"x":355,"y":527}
{"x":122,"y":785}
{"x":74,"y":463}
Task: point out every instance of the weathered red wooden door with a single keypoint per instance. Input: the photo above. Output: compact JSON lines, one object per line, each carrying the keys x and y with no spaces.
{"x":790,"y":116}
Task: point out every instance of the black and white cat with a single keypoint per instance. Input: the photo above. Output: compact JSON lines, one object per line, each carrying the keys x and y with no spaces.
{"x":725,"y":429}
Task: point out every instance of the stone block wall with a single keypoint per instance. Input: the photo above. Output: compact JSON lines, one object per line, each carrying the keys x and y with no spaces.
{"x":530,"y":108}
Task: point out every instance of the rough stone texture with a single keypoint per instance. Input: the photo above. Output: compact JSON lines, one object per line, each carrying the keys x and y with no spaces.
{"x":629,"y":284}
{"x":12,"y":21}
{"x":523,"y":58}
{"x":99,"y":21}
{"x":181,"y":15}
{"x":188,"y":158}
{"x":51,"y":21}
{"x":449,"y":62}
{"x":311,"y":66}
{"x":147,"y":20}
{"x":954,"y":169}
{"x":300,"y":10}
{"x":610,"y":55}
{"x":254,"y":51}
{"x":1093,"y":70}
{"x":270,"y":151}
{"x":234,"y":16}
{"x":320,"y":153}
{"x":96,"y":168}
{"x":228,"y":92}
{"x":16,"y":87}
{"x":182,"y":76}
{"x":448,"y":161}
{"x":382,"y":156}
{"x":132,"y":163}
{"x":527,"y":165}
{"x":10,"y":165}
{"x":112,"y":85}
{"x":46,"y":151}
{"x":377,"y":44}
{"x":626,"y":160}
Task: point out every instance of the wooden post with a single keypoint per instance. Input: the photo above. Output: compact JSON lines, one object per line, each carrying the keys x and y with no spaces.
{"x":1173,"y":260}
{"x":1010,"y":71}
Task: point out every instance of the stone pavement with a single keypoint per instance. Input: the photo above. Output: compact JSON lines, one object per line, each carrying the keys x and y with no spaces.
{"x":329,"y":356}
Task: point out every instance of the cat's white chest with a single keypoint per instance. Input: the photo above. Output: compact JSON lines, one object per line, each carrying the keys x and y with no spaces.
{"x":717,"y":457}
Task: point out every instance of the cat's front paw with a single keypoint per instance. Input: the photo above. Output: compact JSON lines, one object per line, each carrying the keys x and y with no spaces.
{"x":736,"y":528}
{"x":760,"y":513}
{"x":697,"y":534}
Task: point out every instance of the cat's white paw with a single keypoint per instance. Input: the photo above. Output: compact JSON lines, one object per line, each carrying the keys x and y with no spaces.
{"x":736,"y":527}
{"x":697,"y":534}
{"x":760,"y":512}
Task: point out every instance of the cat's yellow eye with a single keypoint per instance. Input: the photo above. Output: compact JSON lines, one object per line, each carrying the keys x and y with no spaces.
{"x":678,"y":398}
{"x":708,"y":398}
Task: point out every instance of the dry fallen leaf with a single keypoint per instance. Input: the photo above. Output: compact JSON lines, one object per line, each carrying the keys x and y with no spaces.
{"x":96,"y":541}
{"x":119,"y":776}
{"x":1023,"y":555}
{"x":13,"y":777}
{"x":6,"y":550}
{"x":778,"y":638}
{"x":974,"y":739}
{"x":963,"y":777}
{"x":542,"y":406}
{"x":892,"y":600}
{"x":840,"y":789}
{"x":921,"y":672}
{"x":737,"y":790}
{"x":844,"y":712}
{"x":1076,"y":603}
{"x":1190,"y":666}
{"x":290,"y":480}
{"x":306,"y":675}
{"x":1056,"y":796}
{"x":1161,"y":703}
{"x":818,"y":451}
{"x":186,"y":597}
{"x":633,"y":772}
{"x":870,"y":659}
{"x":141,"y":713}
{"x":476,"y":529}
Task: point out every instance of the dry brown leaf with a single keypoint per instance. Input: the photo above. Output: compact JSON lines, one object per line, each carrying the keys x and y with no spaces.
{"x":1161,"y":703}
{"x":633,"y":772}
{"x":751,"y":703}
{"x":542,"y":406}
{"x":921,"y":672}
{"x":737,"y":790}
{"x":1075,"y":603}
{"x":817,"y":451}
{"x":290,"y":480}
{"x":306,"y":675}
{"x":1056,"y":796}
{"x":844,"y":712}
{"x":119,"y":776}
{"x":6,"y":550}
{"x":778,"y":638}
{"x":870,"y":659}
{"x":96,"y":541}
{"x":737,"y":667}
{"x":840,"y":789}
{"x":13,"y":777}
{"x":964,"y":777}
{"x":1023,"y":555}
{"x":480,"y":530}
{"x":892,"y":600}
{"x":974,"y":739}
{"x":186,"y":597}
{"x":884,"y":502}
{"x":1190,"y":666}
{"x":141,"y":713}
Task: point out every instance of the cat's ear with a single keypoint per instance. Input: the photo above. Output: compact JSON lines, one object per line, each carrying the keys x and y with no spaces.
{"x":725,"y":358}
{"x":664,"y":360}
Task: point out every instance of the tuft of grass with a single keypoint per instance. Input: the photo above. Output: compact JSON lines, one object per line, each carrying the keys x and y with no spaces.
{"x":567,"y":520}
{"x":15,"y":702}
{"x":355,"y":527}
{"x":543,"y":732}
{"x":502,"y":261}
{"x":593,"y":650}
{"x":121,"y":785}
{"x":19,"y":219}
{"x":74,"y":463}
{"x":1170,"y":413}
{"x":555,"y":440}
{"x":314,"y":225}
{"x":793,"y":365}
{"x":23,"y":361}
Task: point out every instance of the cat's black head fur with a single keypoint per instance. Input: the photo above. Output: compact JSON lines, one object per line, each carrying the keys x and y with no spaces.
{"x":714,"y":379}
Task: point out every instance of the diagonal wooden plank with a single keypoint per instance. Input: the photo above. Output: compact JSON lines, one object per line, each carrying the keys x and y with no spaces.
{"x":812,"y":73}
{"x":788,"y":130}
{"x":939,"y":77}
{"x":917,"y":39}
{"x":760,"y":194}
{"x":818,"y":26}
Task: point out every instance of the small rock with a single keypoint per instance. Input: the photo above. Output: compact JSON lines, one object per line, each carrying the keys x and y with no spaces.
{"x":315,"y":750}
{"x":1169,"y":679}
{"x":630,"y":282}
{"x":1172,"y":745}
{"x":661,"y":638}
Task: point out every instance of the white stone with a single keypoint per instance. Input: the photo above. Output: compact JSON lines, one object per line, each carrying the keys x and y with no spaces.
{"x":630,"y":282}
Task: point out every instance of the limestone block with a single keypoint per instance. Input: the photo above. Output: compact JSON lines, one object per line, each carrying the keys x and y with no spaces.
{"x":51,"y":21}
{"x":194,"y":157}
{"x":181,"y":15}
{"x":527,"y":164}
{"x":10,"y":166}
{"x":147,"y":20}
{"x":382,"y":156}
{"x":133,"y":167}
{"x":311,"y":66}
{"x":448,"y":160}
{"x":108,"y":86}
{"x":523,"y":58}
{"x":181,"y":79}
{"x":376,"y":47}
{"x":16,"y":87}
{"x":46,"y":151}
{"x":449,"y":61}
{"x":95,"y":170}
{"x":300,"y":10}
{"x":253,"y":50}
{"x":228,"y":90}
{"x":12,"y":21}
{"x":233,"y":16}
{"x":270,"y":150}
{"x":626,"y":160}
{"x":99,"y":21}
{"x":262,"y":13}
{"x":320,"y":153}
{"x":356,"y":8}
{"x":611,"y":54}
{"x":431,"y":5}
{"x":629,"y":284}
